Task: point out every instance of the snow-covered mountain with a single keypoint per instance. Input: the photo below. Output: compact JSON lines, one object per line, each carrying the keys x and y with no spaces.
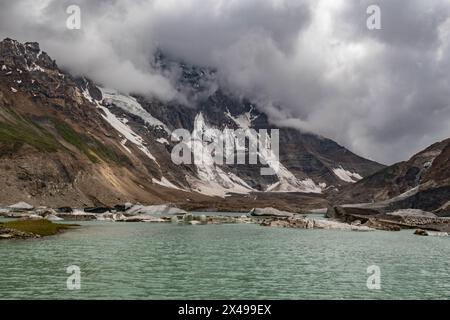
{"x":69,"y":140}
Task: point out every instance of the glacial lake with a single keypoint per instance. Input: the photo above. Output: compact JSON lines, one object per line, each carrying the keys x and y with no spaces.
{"x":166,"y":261}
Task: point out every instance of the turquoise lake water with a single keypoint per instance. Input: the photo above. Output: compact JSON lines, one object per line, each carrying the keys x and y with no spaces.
{"x":165,"y":261}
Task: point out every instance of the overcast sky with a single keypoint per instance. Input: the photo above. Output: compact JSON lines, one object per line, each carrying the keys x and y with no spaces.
{"x":310,"y":64}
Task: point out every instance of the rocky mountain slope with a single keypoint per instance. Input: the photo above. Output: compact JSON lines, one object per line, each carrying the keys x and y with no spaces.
{"x":422,"y":182}
{"x":67,"y":141}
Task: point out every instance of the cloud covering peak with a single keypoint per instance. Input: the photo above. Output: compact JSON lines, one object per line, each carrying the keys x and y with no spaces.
{"x":310,"y":64}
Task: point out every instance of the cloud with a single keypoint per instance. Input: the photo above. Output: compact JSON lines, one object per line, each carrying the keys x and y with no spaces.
{"x":310,"y":64}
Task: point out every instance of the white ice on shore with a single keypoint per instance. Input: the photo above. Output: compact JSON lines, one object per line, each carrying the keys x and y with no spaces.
{"x":155,"y":209}
{"x":52,"y":217}
{"x":21,"y":206}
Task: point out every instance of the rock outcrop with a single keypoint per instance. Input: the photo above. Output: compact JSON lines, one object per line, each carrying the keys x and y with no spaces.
{"x":390,"y":221}
{"x":308,"y":223}
{"x":269,"y":212}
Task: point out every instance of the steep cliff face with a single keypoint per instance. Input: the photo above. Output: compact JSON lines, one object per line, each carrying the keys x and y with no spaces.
{"x":65,"y":140}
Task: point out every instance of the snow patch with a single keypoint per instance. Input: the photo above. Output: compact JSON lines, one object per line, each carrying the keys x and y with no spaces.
{"x":13,"y":90}
{"x":346,"y":175}
{"x":123,"y":143}
{"x":294,"y":185}
{"x":166,"y":183}
{"x":243,"y":121}
{"x":216,"y":182}
{"x":130,"y":105}
{"x":288,"y":182}
{"x":212,"y":180}
{"x":121,"y":126}
{"x":162,"y":141}
{"x":35,"y":67}
{"x":126,"y":131}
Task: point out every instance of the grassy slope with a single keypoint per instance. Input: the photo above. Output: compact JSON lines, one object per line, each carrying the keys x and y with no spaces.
{"x":20,"y":132}
{"x":39,"y":227}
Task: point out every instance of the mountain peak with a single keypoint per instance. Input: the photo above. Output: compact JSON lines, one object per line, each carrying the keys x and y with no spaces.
{"x":25,"y":56}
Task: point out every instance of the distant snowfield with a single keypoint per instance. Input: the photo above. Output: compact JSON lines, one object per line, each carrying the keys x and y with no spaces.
{"x":212,"y":180}
{"x":121,"y":127}
{"x":288,"y":182}
{"x":346,"y":175}
{"x":126,"y":132}
{"x":130,"y":105}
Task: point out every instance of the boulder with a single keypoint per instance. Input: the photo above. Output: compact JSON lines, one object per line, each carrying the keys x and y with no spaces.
{"x":65,"y":210}
{"x":120,"y":208}
{"x":334,"y":225}
{"x":43,"y":212}
{"x":269,"y":212}
{"x":307,"y":223}
{"x":128,"y":205}
{"x":188,"y":217}
{"x":97,"y":209}
{"x":421,"y":232}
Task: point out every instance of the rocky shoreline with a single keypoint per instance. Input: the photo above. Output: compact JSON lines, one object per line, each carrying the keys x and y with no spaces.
{"x":335,"y":218}
{"x":9,"y":233}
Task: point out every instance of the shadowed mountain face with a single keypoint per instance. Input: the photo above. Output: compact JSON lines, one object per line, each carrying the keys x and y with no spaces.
{"x":66,"y":141}
{"x":422,"y":182}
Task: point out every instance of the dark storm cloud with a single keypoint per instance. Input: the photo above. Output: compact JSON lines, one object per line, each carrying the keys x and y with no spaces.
{"x":312,"y":64}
